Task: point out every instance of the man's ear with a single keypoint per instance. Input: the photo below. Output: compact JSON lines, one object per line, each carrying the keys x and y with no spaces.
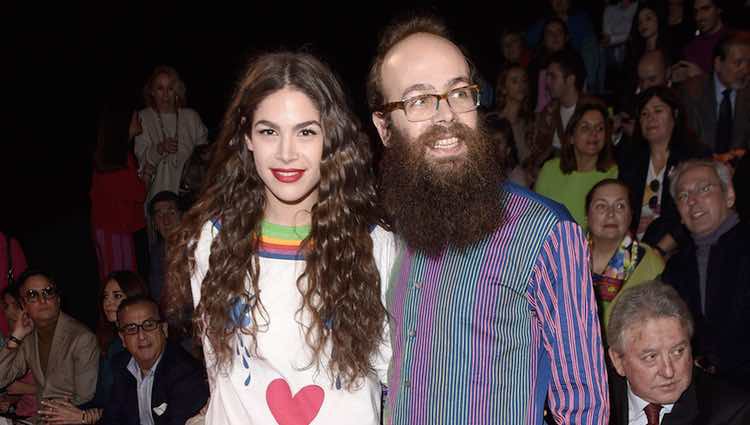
{"x":617,"y":361}
{"x":381,"y":124}
{"x":165,"y":329}
{"x":122,"y":337}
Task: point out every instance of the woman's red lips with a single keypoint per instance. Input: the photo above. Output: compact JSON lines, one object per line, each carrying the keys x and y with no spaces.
{"x":287,"y":175}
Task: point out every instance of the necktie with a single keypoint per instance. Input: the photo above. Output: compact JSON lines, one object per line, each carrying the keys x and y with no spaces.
{"x":724,"y":124}
{"x":652,"y":413}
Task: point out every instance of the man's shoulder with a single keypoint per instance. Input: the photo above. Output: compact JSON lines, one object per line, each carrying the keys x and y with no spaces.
{"x":74,"y":327}
{"x":525,"y":205}
{"x":176,"y":362}
{"x":720,"y":402}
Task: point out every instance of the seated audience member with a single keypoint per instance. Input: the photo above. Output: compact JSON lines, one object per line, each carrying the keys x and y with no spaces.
{"x":579,"y":29}
{"x":61,"y":353}
{"x":513,"y":48}
{"x":12,"y":264}
{"x":514,"y":104}
{"x":19,"y":401}
{"x":501,"y":134}
{"x":165,"y":214}
{"x":699,"y":52}
{"x":155,"y":382}
{"x":653,"y":71}
{"x":661,"y":141}
{"x":618,"y":259}
{"x":617,"y":22}
{"x":585,"y":159}
{"x":712,"y":271}
{"x":681,"y":22}
{"x":655,"y":381}
{"x":718,"y":104}
{"x":649,"y":32}
{"x":564,"y":80}
{"x":555,"y":40}
{"x":118,"y":286}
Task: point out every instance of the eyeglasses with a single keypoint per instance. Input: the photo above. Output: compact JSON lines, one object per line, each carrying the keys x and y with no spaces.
{"x":148,"y":325}
{"x":31,"y":296}
{"x":425,"y":106}
{"x":700,"y":191}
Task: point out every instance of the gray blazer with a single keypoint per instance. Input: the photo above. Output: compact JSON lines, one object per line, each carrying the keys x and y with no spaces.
{"x":699,"y":98}
{"x":72,"y":366}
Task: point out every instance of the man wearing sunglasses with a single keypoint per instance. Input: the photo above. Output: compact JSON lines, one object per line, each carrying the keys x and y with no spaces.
{"x":155,"y":381}
{"x":491,"y":303}
{"x":61,"y":353}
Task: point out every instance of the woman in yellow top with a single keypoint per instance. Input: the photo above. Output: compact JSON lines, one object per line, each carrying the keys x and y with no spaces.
{"x":585,"y":159}
{"x":618,"y":260}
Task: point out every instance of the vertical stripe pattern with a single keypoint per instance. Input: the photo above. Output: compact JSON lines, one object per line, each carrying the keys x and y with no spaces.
{"x":486,"y":334}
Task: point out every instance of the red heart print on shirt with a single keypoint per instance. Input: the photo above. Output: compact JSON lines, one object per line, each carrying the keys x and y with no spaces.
{"x":298,"y":410}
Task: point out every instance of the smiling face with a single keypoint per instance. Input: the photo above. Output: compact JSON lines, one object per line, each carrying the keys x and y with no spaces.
{"x":609,"y":213}
{"x":656,"y":359}
{"x":701,"y":202}
{"x":286,"y":139}
{"x":426,"y":64}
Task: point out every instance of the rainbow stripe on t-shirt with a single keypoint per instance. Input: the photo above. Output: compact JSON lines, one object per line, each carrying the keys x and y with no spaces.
{"x":282,"y":242}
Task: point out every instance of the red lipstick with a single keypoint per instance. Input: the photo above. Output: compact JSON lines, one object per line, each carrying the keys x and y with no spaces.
{"x":287,"y":175}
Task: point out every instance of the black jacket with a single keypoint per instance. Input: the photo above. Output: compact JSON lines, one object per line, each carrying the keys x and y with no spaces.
{"x":632,"y":161}
{"x":707,"y":401}
{"x":179,"y":383}
{"x":722,"y":335}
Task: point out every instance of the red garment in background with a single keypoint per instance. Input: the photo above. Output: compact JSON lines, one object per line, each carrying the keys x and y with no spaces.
{"x":117,"y":212}
{"x":19,"y":266}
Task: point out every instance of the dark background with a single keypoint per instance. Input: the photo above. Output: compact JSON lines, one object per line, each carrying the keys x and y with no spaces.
{"x":65,"y":62}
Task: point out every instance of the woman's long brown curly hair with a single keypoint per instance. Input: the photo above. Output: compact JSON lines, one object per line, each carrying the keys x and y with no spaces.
{"x":340,"y":285}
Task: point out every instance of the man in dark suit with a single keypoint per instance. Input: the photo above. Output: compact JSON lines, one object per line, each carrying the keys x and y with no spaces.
{"x":711,"y":272}
{"x":156,"y":382}
{"x":718,"y":104}
{"x":649,"y":335}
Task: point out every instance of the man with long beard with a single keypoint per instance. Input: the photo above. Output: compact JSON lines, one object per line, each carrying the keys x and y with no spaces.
{"x":491,"y":302}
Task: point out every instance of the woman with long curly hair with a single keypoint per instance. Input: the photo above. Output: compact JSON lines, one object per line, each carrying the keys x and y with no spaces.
{"x":284,"y":256}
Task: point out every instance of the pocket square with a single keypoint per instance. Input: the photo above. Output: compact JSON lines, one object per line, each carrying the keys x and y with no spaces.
{"x":160,"y":409}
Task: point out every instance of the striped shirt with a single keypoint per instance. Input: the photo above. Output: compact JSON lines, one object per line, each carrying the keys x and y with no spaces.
{"x":486,"y":334}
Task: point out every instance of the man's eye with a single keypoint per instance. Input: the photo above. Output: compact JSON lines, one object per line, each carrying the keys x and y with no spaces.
{"x":308,"y":132}
{"x":266,"y":132}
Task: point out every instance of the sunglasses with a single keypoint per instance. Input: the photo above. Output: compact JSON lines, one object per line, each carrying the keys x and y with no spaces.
{"x":31,"y":296}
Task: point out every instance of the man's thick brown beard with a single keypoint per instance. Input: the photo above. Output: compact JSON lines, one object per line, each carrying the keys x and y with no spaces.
{"x":441,"y":203}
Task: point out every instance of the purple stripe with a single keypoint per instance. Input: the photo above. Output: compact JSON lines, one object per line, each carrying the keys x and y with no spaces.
{"x":397,"y":338}
{"x":422,"y":352}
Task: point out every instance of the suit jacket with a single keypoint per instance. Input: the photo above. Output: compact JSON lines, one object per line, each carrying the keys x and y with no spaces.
{"x":699,"y":97}
{"x":722,"y":335}
{"x":707,"y":401}
{"x":633,"y":158}
{"x":72,"y":366}
{"x":180,"y":386}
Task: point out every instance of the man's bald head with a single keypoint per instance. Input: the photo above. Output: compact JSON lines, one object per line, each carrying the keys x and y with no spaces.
{"x":653,"y":70}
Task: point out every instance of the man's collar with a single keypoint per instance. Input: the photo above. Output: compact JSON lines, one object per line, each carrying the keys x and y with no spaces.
{"x":718,"y":85}
{"x":637,"y":404}
{"x":134,"y":368}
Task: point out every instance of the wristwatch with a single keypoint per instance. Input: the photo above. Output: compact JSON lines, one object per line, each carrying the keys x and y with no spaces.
{"x":14,"y":339}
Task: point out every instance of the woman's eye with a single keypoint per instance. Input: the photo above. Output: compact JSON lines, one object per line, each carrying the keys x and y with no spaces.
{"x":308,"y":132}
{"x":266,"y":132}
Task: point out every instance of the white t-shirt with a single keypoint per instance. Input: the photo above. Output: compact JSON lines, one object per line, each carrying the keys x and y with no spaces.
{"x":277,"y":386}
